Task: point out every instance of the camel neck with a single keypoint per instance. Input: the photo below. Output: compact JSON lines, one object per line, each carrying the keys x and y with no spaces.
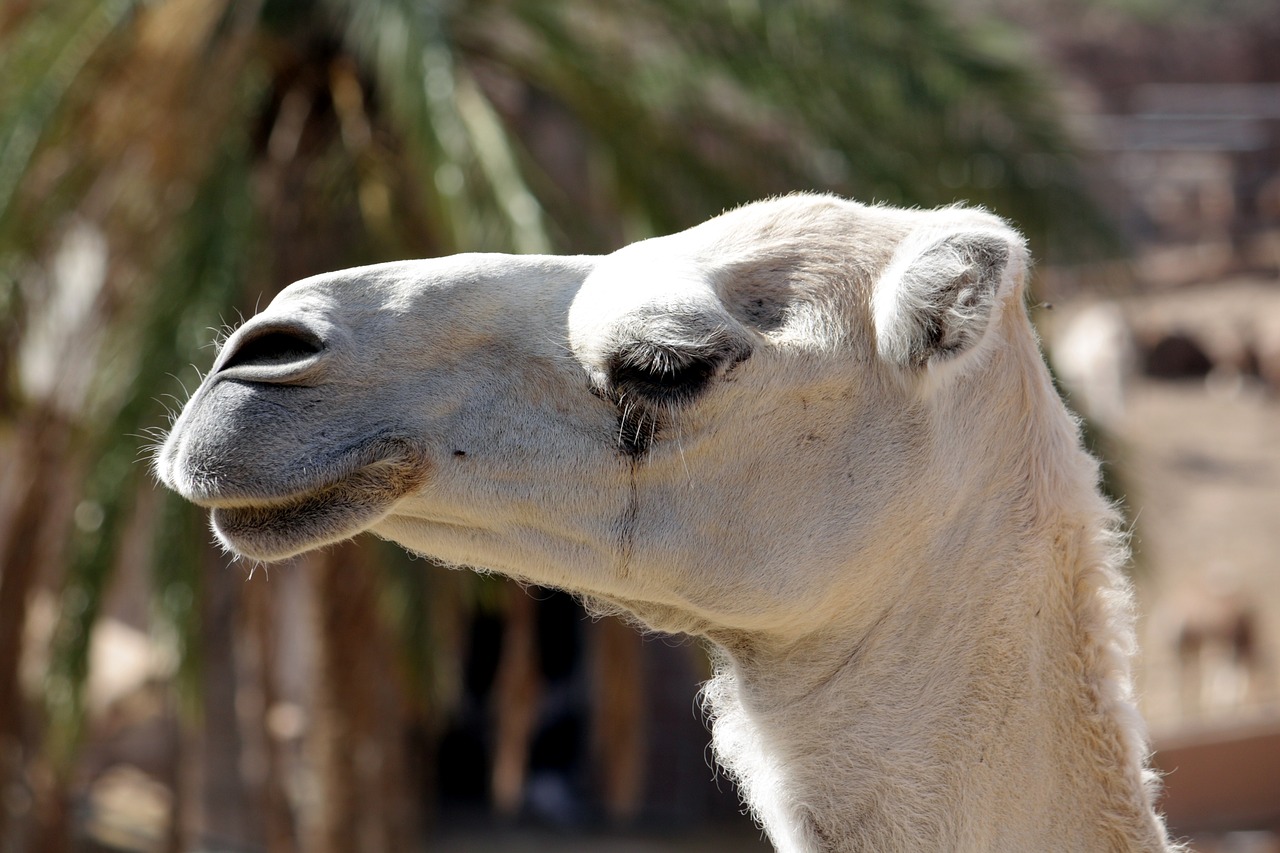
{"x":949,"y":720}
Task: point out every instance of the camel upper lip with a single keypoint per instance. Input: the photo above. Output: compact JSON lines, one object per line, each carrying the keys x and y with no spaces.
{"x":256,"y":500}
{"x":386,"y":452}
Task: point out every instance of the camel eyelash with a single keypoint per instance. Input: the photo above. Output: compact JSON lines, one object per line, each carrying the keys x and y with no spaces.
{"x":662,"y":375}
{"x":671,"y":375}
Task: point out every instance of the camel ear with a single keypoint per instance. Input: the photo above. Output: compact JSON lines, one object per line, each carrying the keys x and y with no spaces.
{"x":939,"y":296}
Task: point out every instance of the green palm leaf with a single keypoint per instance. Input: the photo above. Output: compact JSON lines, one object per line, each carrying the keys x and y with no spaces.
{"x":36,"y":72}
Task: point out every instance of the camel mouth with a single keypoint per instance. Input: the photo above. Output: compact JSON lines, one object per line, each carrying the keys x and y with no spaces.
{"x":276,"y":527}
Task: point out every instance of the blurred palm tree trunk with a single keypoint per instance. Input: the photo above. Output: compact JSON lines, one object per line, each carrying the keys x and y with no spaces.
{"x":516,"y":690}
{"x":357,"y":741}
{"x":618,"y":722}
{"x":40,"y":451}
{"x":227,"y":816}
{"x":179,"y":780}
{"x":261,"y":636}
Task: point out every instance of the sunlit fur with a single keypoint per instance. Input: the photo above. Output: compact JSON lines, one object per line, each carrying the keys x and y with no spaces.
{"x":868,"y":497}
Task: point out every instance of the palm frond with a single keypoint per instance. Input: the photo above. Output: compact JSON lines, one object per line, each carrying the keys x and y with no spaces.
{"x":705,"y":105}
{"x":37,"y":70}
{"x":479,"y":198}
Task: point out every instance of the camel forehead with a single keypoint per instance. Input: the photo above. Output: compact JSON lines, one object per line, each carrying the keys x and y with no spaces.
{"x":429,"y":287}
{"x":658,"y":289}
{"x":703,"y":273}
{"x":819,"y":231}
{"x":664,"y":273}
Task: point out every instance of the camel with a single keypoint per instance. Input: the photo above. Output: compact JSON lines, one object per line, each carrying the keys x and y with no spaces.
{"x":817,"y":433}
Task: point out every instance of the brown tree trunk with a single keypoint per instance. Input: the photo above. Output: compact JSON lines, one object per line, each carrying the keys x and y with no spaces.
{"x":517,"y":686}
{"x":181,"y":778}
{"x":260,"y":636}
{"x":617,"y":708}
{"x":358,"y":738}
{"x":38,"y":457}
{"x":53,"y":826}
{"x":227,"y":816}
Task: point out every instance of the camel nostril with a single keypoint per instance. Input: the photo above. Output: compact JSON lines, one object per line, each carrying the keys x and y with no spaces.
{"x":272,"y":347}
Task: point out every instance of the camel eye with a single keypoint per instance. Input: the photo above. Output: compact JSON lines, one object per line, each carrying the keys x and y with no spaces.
{"x":662,"y":374}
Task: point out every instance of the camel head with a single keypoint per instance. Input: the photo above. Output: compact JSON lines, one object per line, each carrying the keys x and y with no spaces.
{"x":724,"y":427}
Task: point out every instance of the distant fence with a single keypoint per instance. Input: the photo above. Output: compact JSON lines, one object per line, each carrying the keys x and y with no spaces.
{"x":1222,"y":779}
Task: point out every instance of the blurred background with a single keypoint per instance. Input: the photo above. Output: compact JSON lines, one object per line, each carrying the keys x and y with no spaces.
{"x":167,"y":166}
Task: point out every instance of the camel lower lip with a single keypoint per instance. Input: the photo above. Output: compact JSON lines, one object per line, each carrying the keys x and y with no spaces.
{"x":278,"y":510}
{"x":281,"y":530}
{"x":278,"y":527}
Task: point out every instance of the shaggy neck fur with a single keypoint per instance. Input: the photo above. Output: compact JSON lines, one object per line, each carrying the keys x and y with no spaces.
{"x":984,"y":703}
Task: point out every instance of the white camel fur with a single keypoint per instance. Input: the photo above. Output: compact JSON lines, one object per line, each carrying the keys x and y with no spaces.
{"x":819,"y":434}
